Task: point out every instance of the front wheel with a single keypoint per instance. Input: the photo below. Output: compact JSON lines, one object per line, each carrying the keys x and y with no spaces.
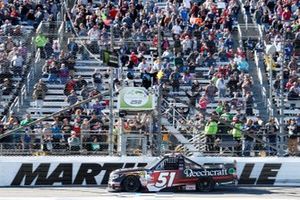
{"x":206,"y":185}
{"x":131,"y":184}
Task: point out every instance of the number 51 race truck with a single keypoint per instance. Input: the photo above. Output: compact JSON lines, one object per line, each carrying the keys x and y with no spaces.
{"x":172,"y":173}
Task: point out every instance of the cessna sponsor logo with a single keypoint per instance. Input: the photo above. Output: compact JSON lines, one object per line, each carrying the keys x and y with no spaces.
{"x":205,"y":172}
{"x":65,"y":174}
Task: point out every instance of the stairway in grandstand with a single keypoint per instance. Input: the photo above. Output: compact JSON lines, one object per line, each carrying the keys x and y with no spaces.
{"x":12,"y":101}
{"x":172,"y":120}
{"x":248,"y":29}
{"x":55,"y":99}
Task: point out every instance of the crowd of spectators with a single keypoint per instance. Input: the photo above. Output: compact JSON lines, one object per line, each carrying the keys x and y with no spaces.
{"x":194,"y":35}
{"x":279,"y":24}
{"x":18,"y":20}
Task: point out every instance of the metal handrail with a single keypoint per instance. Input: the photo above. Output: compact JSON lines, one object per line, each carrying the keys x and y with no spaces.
{"x":51,"y":115}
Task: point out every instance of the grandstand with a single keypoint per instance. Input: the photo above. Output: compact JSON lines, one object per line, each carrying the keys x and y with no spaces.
{"x":225,"y":82}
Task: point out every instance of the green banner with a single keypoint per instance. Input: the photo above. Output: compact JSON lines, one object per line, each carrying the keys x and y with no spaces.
{"x":135,"y":99}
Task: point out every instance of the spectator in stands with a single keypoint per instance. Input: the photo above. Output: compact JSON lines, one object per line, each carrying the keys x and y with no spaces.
{"x":17,"y":64}
{"x":193,"y":95}
{"x":203,"y":102}
{"x":221,"y":86}
{"x":73,"y":47}
{"x":232,"y":84}
{"x":84,"y":94}
{"x":143,"y":66}
{"x":211,"y":91}
{"x":85,"y":133}
{"x":97,"y":107}
{"x":57,"y":136}
{"x":243,"y":65}
{"x":249,"y":104}
{"x":236,"y":132}
{"x":74,"y":142}
{"x":47,"y":137}
{"x":40,"y":42}
{"x":53,"y":73}
{"x":175,"y":80}
{"x":76,"y":128}
{"x":94,"y":35}
{"x":39,"y":93}
{"x":7,"y":87}
{"x":294,"y":92}
{"x":292,"y":137}
{"x":56,"y":49}
{"x":26,"y":121}
{"x":271,"y":132}
{"x":63,"y":74}
{"x":66,"y":128}
{"x":80,"y":83}
{"x":246,"y":84}
{"x":72,"y":98}
{"x":211,"y":129}
{"x":97,"y":79}
{"x":70,"y":86}
{"x":248,"y":143}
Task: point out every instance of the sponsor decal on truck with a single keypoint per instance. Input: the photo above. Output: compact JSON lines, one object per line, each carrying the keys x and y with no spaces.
{"x":205,"y":172}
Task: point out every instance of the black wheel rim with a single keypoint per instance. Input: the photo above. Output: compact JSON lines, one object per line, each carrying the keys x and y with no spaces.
{"x":131,"y":184}
{"x":205,"y":186}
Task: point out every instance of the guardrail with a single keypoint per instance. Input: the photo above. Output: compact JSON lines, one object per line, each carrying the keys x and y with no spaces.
{"x":33,"y":142}
{"x":89,"y":142}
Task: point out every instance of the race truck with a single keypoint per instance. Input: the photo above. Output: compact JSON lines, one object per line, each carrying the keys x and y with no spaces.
{"x":172,"y":173}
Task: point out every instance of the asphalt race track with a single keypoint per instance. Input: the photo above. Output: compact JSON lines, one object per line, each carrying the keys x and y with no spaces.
{"x":93,"y":193}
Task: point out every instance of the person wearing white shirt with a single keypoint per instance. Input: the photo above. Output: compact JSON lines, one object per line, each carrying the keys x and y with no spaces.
{"x":167,"y":55}
{"x":156,"y":67}
{"x":154,"y":70}
{"x":17,"y":64}
{"x":83,"y":2}
{"x":143,"y":67}
{"x":221,"y":85}
{"x":94,"y":34}
{"x":186,"y":44}
{"x":176,"y":30}
{"x":56,"y":48}
{"x":187,"y":4}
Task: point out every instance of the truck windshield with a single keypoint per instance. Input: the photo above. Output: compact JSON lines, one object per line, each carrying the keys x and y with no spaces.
{"x":153,"y":163}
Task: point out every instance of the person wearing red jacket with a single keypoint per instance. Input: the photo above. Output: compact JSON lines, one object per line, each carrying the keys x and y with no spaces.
{"x":286,"y":14}
{"x":203,"y":102}
{"x":134,"y":58}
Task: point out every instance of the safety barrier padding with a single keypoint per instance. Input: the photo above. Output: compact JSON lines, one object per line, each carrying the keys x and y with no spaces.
{"x":95,"y":170}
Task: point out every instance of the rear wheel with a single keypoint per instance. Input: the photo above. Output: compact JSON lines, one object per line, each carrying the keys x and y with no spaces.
{"x":131,"y":184}
{"x":206,"y":185}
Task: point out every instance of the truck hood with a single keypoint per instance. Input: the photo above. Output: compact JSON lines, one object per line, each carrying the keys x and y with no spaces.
{"x":129,"y":170}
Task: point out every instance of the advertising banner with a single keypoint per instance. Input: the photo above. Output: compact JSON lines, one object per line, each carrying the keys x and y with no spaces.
{"x":135,"y":99}
{"x":95,"y":170}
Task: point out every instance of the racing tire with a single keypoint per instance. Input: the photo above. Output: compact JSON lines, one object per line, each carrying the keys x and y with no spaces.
{"x":206,"y":185}
{"x":131,"y":184}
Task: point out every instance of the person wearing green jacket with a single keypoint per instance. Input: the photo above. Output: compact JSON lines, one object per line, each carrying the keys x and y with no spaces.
{"x":237,"y":133}
{"x":220,"y":108}
{"x":27,"y":138}
{"x":211,"y":129}
{"x":40,"y":42}
{"x":27,"y":120}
